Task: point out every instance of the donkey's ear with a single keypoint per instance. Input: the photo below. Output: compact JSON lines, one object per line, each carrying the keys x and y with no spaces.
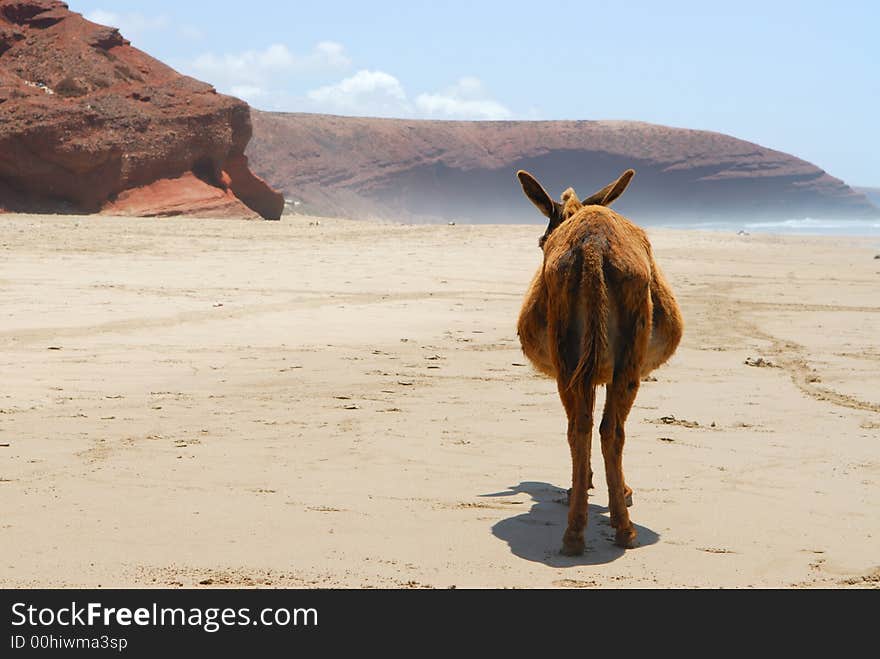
{"x":618,"y":187}
{"x":610,"y":192}
{"x":536,"y":194}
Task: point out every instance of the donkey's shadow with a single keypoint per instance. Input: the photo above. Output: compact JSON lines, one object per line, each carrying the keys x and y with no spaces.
{"x":537,"y":534}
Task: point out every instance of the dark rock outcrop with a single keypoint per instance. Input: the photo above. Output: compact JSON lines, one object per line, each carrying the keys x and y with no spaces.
{"x":89,"y":124}
{"x":465,"y":170}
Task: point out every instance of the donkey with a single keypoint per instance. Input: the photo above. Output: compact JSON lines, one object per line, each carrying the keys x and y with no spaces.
{"x":598,"y":311}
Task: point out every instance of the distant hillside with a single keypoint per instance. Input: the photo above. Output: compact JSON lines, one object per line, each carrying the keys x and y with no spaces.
{"x":873,"y":194}
{"x":407,"y":169}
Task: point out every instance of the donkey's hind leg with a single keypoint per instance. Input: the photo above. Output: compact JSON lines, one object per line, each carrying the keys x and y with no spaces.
{"x":619,"y":401}
{"x":621,"y":393}
{"x":580,"y":425}
{"x":590,"y":485}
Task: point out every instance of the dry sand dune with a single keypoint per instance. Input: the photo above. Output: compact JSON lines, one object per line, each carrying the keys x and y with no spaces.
{"x":283,"y":404}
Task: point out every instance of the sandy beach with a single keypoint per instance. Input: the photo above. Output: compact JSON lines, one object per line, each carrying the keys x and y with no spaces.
{"x":329,"y":403}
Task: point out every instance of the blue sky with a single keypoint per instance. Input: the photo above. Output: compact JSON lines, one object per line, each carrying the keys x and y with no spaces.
{"x":801,"y":77}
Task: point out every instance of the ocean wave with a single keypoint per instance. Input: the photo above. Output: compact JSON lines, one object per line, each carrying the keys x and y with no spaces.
{"x":806,"y":226}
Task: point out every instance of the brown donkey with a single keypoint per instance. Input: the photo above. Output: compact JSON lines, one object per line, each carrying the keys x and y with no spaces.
{"x":598,"y":311}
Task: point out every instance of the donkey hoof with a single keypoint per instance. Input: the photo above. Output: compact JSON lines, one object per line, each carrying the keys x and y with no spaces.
{"x":629,"y":500}
{"x":626,"y":537}
{"x":573,"y":545}
{"x":573,"y":549}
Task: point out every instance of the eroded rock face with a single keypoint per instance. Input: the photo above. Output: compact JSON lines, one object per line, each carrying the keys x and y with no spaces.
{"x":84,"y":129}
{"x":399,"y":168}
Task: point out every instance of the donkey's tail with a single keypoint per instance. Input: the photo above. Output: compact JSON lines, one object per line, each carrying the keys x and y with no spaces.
{"x":593,"y":301}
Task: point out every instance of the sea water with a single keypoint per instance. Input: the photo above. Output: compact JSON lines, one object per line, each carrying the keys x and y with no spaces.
{"x":803,"y":226}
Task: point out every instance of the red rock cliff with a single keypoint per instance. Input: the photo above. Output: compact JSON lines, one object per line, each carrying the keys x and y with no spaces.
{"x":90,"y":124}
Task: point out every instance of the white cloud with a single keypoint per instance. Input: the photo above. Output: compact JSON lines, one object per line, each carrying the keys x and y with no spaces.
{"x":266,"y":74}
{"x":329,"y":54}
{"x":129,"y":24}
{"x":364,"y":93}
{"x":274,"y":78}
{"x":273,"y":60}
{"x":133,"y":25}
{"x":247,"y":91}
{"x":466,"y":99}
{"x":377,"y":93}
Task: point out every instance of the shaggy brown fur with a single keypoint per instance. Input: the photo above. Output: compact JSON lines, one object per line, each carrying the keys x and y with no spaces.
{"x":598,"y":311}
